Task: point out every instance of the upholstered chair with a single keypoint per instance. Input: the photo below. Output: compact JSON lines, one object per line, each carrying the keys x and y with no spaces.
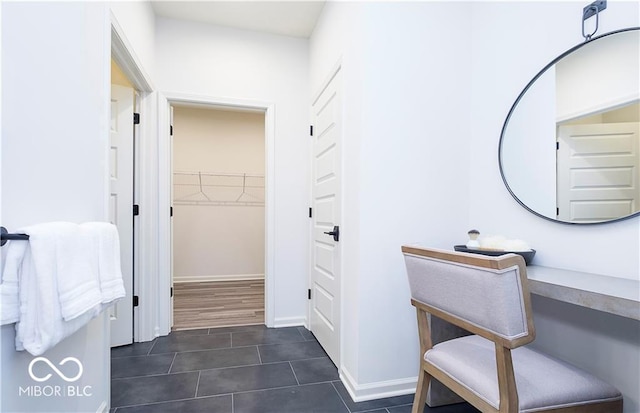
{"x":492,"y":368}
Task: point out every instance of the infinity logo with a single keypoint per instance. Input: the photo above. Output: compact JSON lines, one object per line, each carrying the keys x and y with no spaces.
{"x":58,"y":372}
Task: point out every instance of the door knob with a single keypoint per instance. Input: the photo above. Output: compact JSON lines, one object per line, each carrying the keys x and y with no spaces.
{"x":335,"y":233}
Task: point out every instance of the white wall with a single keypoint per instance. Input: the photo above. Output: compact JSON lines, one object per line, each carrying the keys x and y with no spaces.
{"x":506,"y":55}
{"x":217,"y":62}
{"x":416,"y":105}
{"x":55,"y":93}
{"x":212,"y":241}
{"x":137,"y":20}
{"x":335,"y":41}
{"x":406,"y":103}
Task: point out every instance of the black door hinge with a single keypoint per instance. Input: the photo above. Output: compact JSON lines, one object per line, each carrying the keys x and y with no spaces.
{"x":557,"y":211}
{"x":311,"y":130}
{"x":136,"y":118}
{"x":170,"y":211}
{"x":136,"y":300}
{"x":170,"y":130}
{"x":557,"y":145}
{"x":171,"y":292}
{"x":310,"y":212}
{"x":309,"y":294}
{"x":136,"y":210}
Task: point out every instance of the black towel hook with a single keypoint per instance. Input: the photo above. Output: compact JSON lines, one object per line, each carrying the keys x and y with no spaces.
{"x":6,"y":236}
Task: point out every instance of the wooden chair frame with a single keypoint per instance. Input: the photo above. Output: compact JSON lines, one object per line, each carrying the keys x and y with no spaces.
{"x":506,"y":378}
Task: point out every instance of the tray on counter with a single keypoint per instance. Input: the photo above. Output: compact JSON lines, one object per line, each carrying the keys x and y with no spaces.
{"x":527,"y":255}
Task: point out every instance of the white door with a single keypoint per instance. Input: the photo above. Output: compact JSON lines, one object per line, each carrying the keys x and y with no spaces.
{"x":121,"y":206}
{"x":326,"y":216}
{"x":598,"y":171}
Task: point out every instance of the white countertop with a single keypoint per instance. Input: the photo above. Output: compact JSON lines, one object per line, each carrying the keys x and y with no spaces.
{"x":614,"y":295}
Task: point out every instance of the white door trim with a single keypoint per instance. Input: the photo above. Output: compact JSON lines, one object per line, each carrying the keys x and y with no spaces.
{"x":122,"y":53}
{"x":164,"y":195}
{"x":145,"y":238}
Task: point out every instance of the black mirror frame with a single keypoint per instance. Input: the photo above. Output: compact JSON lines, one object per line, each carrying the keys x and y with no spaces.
{"x":513,"y":107}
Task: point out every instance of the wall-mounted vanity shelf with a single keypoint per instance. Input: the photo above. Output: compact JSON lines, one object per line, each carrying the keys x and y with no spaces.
{"x":613,"y":295}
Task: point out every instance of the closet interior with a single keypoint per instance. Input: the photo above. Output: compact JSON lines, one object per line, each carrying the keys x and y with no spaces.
{"x":218,"y":217}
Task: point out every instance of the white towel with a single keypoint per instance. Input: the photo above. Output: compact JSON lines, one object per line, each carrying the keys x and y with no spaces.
{"x":67,"y":253}
{"x":9,"y":300}
{"x":62,"y":271}
{"x":41,"y":325}
{"x":109,"y":269}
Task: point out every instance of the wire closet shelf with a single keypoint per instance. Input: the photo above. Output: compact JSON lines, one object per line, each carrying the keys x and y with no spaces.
{"x":218,"y":189}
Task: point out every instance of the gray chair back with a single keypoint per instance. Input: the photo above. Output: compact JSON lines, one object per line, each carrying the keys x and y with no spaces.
{"x":488,"y":294}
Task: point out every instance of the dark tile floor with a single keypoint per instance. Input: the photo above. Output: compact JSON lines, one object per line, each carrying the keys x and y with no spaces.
{"x":249,"y":369}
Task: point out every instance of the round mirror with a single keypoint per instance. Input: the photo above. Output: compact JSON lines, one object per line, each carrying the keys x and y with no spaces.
{"x":569,"y":148}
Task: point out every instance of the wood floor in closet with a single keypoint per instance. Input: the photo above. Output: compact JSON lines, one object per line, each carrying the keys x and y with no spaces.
{"x":217,"y":304}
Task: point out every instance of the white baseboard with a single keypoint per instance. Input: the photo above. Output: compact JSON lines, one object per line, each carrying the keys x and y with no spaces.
{"x":289,"y":322}
{"x":209,"y":278}
{"x":377,"y":390}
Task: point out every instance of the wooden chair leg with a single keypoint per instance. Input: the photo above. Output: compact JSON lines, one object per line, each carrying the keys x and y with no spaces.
{"x":422,"y":388}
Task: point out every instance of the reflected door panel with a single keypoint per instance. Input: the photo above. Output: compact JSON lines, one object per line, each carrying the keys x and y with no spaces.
{"x":598,"y":171}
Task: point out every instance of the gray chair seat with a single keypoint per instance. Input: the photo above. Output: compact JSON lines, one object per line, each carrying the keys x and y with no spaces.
{"x":543,"y":382}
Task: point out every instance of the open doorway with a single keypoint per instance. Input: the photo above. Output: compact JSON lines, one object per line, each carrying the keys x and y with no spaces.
{"x":218,"y":173}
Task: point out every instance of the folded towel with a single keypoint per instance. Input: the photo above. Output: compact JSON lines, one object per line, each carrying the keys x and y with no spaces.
{"x":67,"y":253}
{"x":9,"y":300}
{"x":64,"y":269}
{"x":109,"y":270}
{"x":41,"y":325}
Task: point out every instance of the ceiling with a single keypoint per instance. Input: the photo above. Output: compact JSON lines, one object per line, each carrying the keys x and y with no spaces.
{"x":289,"y":18}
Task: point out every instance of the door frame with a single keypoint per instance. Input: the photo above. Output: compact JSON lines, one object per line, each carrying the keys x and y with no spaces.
{"x":143,"y":254}
{"x":165,"y":99}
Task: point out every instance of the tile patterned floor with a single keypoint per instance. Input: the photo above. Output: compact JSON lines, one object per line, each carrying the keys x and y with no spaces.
{"x":249,"y":369}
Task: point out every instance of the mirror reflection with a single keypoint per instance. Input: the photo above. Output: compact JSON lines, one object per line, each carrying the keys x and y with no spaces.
{"x":569,"y":149}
